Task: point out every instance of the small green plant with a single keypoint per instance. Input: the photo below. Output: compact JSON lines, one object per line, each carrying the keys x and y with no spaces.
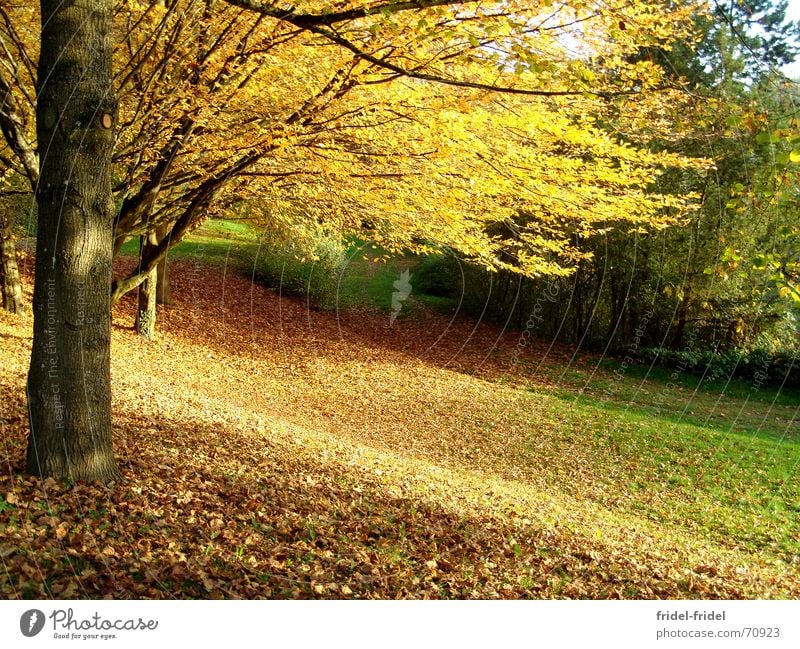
{"x":5,"y":506}
{"x":313,"y":274}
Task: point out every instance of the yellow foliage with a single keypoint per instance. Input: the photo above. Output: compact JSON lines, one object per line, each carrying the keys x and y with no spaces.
{"x":220,"y":106}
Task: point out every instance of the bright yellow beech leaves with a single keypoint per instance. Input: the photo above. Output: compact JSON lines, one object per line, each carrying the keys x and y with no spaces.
{"x":326,"y":118}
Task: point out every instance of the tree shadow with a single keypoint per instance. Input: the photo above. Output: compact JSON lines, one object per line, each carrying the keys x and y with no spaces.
{"x":207,"y":511}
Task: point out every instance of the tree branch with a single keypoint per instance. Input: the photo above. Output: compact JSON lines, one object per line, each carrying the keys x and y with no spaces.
{"x":204,"y":196}
{"x":306,"y":21}
{"x":414,"y":74}
{"x":11,"y":124}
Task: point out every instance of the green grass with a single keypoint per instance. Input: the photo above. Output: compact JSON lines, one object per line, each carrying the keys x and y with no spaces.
{"x":740,"y":388}
{"x":442,"y":304}
{"x":218,"y":242}
{"x":735,"y":485}
{"x":369,"y":279}
{"x":737,"y":406}
{"x":366,"y":280}
{"x":716,"y":463}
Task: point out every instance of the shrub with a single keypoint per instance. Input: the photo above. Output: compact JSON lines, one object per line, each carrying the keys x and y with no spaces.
{"x":312,"y":274}
{"x":758,"y":366}
{"x":438,"y":275}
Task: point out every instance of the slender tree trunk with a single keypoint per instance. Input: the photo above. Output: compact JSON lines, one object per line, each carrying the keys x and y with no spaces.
{"x":146,"y":299}
{"x":69,"y":388}
{"x":680,"y":323}
{"x":10,"y":285}
{"x":163,"y":288}
{"x":580,"y":307}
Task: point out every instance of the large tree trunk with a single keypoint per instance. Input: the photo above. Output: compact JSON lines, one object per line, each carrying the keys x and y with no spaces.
{"x":10,"y":285}
{"x":69,"y":387}
{"x":146,"y":300}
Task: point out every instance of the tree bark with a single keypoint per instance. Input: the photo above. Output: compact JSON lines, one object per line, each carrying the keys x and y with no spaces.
{"x":146,"y":300}
{"x":69,"y":387}
{"x":163,"y":288}
{"x":12,"y":125}
{"x":10,"y":285}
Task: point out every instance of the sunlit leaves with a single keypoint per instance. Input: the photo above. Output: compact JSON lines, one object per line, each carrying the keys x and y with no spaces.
{"x":320,"y":136}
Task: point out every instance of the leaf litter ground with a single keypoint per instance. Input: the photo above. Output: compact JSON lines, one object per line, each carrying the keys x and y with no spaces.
{"x":270,"y":451}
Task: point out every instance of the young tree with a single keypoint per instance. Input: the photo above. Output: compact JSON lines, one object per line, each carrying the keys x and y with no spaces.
{"x":69,"y":392}
{"x":18,"y":167}
{"x":11,"y":298}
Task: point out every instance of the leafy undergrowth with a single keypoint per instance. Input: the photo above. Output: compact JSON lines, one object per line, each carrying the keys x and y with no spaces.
{"x":272,"y":451}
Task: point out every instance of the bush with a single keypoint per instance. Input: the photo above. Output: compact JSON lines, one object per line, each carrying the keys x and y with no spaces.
{"x":438,"y":275}
{"x":312,"y":274}
{"x":758,"y":366}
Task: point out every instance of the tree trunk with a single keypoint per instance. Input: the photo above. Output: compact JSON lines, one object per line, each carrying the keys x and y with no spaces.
{"x":163,"y":288}
{"x":680,"y":323}
{"x":146,"y":299}
{"x":10,"y":285}
{"x":69,"y":387}
{"x":577,"y":291}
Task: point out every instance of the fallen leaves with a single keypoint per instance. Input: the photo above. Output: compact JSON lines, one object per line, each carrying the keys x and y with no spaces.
{"x":369,"y":470}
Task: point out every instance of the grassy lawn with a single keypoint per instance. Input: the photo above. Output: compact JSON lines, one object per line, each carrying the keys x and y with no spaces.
{"x":719,"y":459}
{"x":731,"y":480}
{"x":366,"y":280}
{"x":362,"y":280}
{"x":218,"y":242}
